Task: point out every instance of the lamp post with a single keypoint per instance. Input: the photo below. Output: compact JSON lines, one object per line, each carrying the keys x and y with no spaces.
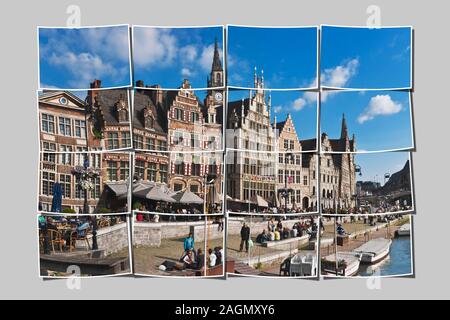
{"x":85,"y":175}
{"x":358,"y":171}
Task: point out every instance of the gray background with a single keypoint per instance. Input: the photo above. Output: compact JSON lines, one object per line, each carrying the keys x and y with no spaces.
{"x":18,"y":266}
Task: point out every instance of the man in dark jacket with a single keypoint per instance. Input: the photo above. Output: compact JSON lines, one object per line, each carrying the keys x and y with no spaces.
{"x":245,"y":236}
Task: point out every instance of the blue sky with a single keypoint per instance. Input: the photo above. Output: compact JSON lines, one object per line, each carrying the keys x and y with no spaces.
{"x":73,"y":58}
{"x":366,"y":58}
{"x":380,"y":120}
{"x":287,"y":55}
{"x":375,"y":165}
{"x":284,"y":102}
{"x":166,"y":56}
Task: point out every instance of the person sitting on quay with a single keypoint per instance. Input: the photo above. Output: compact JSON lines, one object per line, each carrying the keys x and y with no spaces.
{"x":271,"y":236}
{"x":188,"y":260}
{"x":294,"y":231}
{"x":222,"y":253}
{"x":218,"y":253}
{"x":271,"y":225}
{"x":82,"y":228}
{"x":262,"y":237}
{"x":212,"y":258}
{"x":340,"y":230}
{"x":285,"y":234}
{"x":279,"y":225}
{"x":200,"y":260}
{"x":277,"y":236}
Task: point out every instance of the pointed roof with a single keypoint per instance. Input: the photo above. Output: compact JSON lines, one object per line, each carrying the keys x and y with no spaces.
{"x":216,"y":64}
{"x":52,"y":96}
{"x":344,"y":130}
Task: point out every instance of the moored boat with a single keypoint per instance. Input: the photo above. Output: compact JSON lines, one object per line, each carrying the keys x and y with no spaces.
{"x":404,"y":230}
{"x":348,"y":264}
{"x":374,"y":250}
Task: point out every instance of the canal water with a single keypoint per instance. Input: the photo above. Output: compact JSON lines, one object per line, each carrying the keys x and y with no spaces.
{"x":397,"y":263}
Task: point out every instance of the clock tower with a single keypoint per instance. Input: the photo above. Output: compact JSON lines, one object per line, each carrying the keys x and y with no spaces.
{"x":214,"y":97}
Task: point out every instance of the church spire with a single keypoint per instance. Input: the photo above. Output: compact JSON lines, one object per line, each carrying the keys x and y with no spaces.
{"x":217,"y":64}
{"x":344,"y":131}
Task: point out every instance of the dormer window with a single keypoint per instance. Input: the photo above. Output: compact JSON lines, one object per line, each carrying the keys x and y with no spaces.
{"x":122,"y":110}
{"x":149,"y":120}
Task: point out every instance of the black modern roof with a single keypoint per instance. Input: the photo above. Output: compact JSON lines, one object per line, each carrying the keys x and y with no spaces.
{"x":309,"y":144}
{"x":280,"y":125}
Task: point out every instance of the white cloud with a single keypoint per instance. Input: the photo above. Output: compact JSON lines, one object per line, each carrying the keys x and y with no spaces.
{"x":380,"y":105}
{"x":161,"y":48}
{"x":277,"y":109}
{"x":188,"y":53}
{"x":340,"y":75}
{"x":85,"y":67}
{"x":154,"y":46}
{"x":186,"y":72}
{"x":299,"y":104}
{"x":206,"y":57}
{"x":108,"y":42}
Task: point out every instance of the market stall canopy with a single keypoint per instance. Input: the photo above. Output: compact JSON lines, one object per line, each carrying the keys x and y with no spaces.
{"x":257,"y":199}
{"x":155,"y":193}
{"x":187,"y":197}
{"x":120,"y":189}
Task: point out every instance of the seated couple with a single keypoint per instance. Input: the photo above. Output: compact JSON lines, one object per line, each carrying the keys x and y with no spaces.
{"x":277,"y":235}
{"x":193,"y":260}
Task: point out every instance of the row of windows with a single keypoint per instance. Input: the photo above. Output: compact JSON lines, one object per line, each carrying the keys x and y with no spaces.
{"x":72,"y":159}
{"x":292,"y":177}
{"x":195,"y":140}
{"x":328,"y":161}
{"x":117,"y":170}
{"x":326,"y":178}
{"x":116,"y":141}
{"x":150,"y":143}
{"x":194,"y":117}
{"x":288,"y":144}
{"x":69,"y":184}
{"x":149,"y":171}
{"x":258,"y":127}
{"x":66,"y":126}
{"x":181,"y":169}
{"x":195,"y":188}
{"x":265,"y":190}
{"x":293,"y":159}
{"x":256,"y":167}
{"x":252,"y":145}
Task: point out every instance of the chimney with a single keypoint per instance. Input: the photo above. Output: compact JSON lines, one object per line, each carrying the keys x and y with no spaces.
{"x":157,"y":95}
{"x":92,"y":94}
